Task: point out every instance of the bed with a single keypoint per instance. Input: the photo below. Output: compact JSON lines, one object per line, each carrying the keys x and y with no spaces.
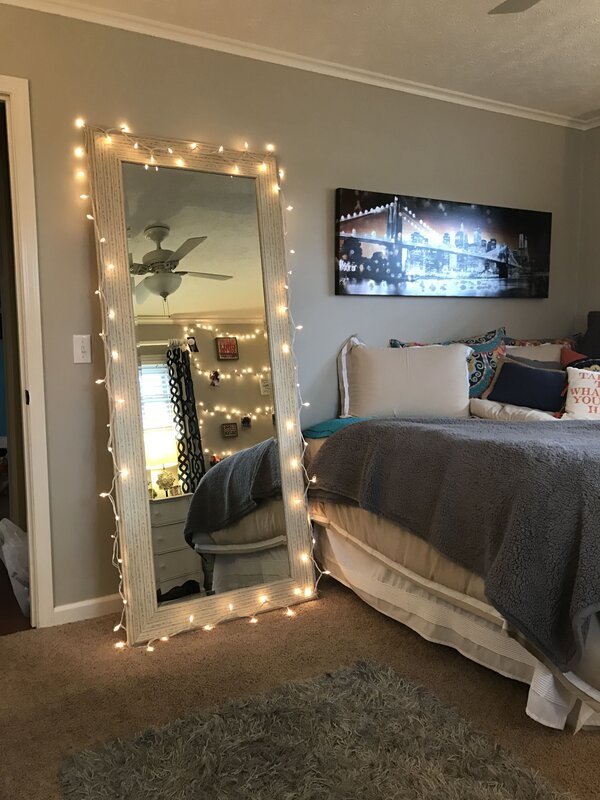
{"x":405,"y":577}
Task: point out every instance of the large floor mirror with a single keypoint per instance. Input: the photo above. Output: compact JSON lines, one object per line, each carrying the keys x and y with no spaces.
{"x":213,"y":522}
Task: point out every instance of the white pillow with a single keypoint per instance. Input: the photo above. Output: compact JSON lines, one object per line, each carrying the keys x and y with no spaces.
{"x":490,"y":409}
{"x":583,"y":395}
{"x":429,"y":381}
{"x":536,"y":352}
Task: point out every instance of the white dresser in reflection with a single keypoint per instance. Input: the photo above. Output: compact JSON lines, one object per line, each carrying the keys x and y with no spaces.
{"x":174,"y":560}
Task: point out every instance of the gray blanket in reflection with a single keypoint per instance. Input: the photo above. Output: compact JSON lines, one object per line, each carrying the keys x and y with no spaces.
{"x":516,"y":503}
{"x":233,"y":488}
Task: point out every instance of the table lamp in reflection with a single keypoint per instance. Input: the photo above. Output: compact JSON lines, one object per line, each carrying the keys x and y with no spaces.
{"x":160,"y":446}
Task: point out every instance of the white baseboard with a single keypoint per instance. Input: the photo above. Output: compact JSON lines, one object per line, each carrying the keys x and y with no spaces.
{"x":86,"y":609}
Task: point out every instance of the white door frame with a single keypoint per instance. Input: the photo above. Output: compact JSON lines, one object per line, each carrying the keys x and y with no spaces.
{"x":15,"y":93}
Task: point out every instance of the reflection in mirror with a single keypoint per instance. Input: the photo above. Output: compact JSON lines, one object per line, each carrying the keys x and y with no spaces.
{"x":205,"y":380}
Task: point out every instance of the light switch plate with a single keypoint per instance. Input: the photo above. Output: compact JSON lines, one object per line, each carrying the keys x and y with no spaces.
{"x":82,"y":348}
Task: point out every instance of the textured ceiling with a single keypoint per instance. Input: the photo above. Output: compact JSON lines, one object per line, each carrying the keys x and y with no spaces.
{"x":220,"y":207}
{"x":547,"y":58}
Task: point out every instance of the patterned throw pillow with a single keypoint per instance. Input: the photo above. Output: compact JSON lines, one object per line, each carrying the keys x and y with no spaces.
{"x":488,"y":349}
{"x":567,"y":341}
{"x":583,"y":394}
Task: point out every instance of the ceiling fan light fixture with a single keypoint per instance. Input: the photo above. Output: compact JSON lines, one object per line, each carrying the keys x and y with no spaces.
{"x":163,"y":283}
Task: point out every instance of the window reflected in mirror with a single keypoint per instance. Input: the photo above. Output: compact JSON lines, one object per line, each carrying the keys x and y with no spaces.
{"x":205,"y":379}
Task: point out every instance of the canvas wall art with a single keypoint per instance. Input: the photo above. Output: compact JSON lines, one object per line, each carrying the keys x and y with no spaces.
{"x":398,"y":245}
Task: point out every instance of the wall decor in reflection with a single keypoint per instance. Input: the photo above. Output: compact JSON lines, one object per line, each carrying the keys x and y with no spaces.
{"x":227,"y":348}
{"x":398,"y":245}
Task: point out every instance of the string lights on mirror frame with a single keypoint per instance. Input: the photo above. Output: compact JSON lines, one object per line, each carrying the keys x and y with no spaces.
{"x":177,"y":151}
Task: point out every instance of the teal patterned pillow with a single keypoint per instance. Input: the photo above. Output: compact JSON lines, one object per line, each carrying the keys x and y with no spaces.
{"x":488,"y":349}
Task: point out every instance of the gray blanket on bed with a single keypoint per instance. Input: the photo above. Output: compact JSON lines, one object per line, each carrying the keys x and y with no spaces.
{"x":516,"y":503}
{"x":233,"y":488}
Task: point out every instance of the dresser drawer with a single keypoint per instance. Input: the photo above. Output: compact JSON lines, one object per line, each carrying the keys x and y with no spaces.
{"x":178,"y":563}
{"x":169,"y":509}
{"x":168,"y":537}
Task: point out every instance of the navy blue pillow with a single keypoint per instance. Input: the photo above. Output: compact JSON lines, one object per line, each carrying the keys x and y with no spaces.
{"x":532,"y":387}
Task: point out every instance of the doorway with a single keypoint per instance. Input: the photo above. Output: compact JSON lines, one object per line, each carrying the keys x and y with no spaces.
{"x":14,"y":559}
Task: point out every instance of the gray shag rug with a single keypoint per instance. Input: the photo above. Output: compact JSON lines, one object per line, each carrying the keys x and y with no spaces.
{"x":361,"y":733}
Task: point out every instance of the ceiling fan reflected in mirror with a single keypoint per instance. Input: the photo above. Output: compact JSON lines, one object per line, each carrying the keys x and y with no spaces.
{"x":514,"y":6}
{"x":159,"y":265}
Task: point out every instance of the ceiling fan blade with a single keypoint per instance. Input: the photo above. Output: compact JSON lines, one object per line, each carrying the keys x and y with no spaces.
{"x":141,"y":292}
{"x":214,"y":276}
{"x":185,"y":248}
{"x":514,"y":6}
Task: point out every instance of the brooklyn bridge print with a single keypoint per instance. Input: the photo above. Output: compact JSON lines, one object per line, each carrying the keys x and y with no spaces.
{"x":397,"y":245}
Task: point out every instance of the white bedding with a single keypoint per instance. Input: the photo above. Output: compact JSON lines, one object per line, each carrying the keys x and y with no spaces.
{"x":490,"y":409}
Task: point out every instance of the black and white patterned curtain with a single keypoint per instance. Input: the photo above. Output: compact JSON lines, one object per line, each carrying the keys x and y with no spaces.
{"x":190,"y":457}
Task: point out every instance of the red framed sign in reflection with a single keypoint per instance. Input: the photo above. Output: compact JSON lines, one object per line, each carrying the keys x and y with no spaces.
{"x":227,"y":348}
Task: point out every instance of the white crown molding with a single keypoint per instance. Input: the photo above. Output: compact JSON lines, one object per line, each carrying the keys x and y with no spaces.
{"x":588,"y":124}
{"x":177,"y":33}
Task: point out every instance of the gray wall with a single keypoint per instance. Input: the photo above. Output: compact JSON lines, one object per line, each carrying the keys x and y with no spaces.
{"x":329,"y":133}
{"x":589,"y":286}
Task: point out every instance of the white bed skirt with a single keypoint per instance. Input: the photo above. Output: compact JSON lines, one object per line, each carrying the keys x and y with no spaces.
{"x":473,"y":628}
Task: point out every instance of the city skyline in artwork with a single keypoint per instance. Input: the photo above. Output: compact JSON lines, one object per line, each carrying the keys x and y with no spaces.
{"x":422,"y":247}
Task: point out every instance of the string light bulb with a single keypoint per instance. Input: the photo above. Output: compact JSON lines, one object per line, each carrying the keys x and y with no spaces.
{"x":80,"y":122}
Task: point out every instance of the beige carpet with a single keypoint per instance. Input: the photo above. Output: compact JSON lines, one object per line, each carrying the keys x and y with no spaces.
{"x":65,"y":689}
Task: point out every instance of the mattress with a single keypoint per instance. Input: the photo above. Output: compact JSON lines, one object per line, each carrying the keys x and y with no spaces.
{"x":553,"y":700}
{"x":442,"y":577}
{"x":262,"y":529}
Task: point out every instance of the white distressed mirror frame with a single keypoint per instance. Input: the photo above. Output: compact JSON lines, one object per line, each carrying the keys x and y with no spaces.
{"x":145,"y":619}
